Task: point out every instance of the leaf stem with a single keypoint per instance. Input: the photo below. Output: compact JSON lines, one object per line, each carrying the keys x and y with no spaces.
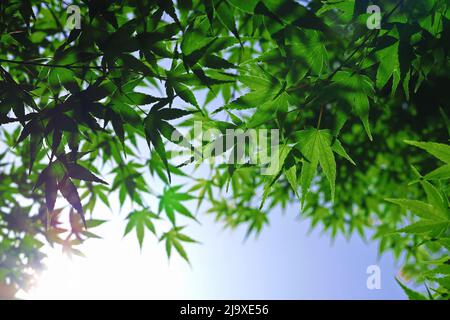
{"x":320,"y":118}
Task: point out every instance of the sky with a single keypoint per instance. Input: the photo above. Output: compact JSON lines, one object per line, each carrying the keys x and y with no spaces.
{"x":285,"y":262}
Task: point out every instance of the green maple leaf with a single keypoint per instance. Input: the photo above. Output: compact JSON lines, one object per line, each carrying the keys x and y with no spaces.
{"x":174,"y":238}
{"x":354,"y":90}
{"x":171,"y":202}
{"x":141,"y":220}
{"x":389,"y":67}
{"x":156,"y":125}
{"x":315,"y":145}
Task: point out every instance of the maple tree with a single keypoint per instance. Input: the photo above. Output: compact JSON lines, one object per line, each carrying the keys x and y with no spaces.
{"x":92,"y":112}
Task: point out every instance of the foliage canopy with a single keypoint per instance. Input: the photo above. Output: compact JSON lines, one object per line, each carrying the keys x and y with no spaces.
{"x":89,"y":113}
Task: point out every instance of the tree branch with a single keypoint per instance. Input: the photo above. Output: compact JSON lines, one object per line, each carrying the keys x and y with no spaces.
{"x":50,"y":65}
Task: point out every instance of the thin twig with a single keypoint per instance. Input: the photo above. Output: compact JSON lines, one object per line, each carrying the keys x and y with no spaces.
{"x":50,"y":65}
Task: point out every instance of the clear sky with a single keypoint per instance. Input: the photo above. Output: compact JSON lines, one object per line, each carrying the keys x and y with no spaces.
{"x":283,"y":263}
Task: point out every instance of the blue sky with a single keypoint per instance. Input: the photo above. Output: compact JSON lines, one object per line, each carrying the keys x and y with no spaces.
{"x":287,"y":263}
{"x":283,"y":263}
